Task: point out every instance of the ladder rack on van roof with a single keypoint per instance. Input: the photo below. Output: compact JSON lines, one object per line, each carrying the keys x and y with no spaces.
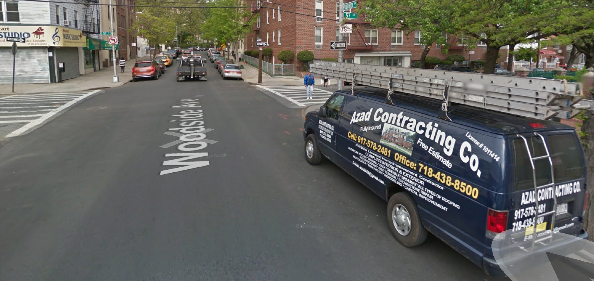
{"x":528,"y":97}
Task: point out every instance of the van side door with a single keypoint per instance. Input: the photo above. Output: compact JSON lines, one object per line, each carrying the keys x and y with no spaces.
{"x":328,"y":126}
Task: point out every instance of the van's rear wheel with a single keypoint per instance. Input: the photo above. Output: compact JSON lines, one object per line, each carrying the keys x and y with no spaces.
{"x":312,"y":152}
{"x":404,"y":220}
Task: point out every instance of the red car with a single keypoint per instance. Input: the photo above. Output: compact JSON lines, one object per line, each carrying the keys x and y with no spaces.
{"x":145,"y":69}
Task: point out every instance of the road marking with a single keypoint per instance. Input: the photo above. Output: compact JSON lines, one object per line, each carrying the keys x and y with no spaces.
{"x":14,"y":121}
{"x":20,"y":116}
{"x":34,"y":111}
{"x":10,"y":107}
{"x":48,"y":115}
{"x":297,"y":94}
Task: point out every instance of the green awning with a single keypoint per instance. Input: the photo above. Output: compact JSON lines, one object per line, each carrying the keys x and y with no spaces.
{"x":106,"y":46}
{"x":93,"y":44}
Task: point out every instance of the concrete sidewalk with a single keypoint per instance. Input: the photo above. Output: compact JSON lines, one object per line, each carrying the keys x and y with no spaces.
{"x":250,"y":75}
{"x":96,"y":80}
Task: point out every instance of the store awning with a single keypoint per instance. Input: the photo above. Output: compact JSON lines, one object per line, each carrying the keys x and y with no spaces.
{"x":547,"y":52}
{"x":93,"y":44}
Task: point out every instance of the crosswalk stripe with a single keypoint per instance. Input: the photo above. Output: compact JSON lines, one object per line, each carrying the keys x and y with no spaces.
{"x":40,"y":96}
{"x":298,"y":95}
{"x":16,"y":121}
{"x":10,"y":107}
{"x":27,"y":111}
{"x":20,"y":116}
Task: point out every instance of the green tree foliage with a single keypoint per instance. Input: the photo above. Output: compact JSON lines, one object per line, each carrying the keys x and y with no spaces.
{"x":286,"y":56}
{"x":305,"y":56}
{"x":431,"y":61}
{"x":431,"y":17}
{"x":153,"y":23}
{"x":225,"y":23}
{"x":456,"y":58}
{"x":526,"y":54}
{"x":267,"y":52}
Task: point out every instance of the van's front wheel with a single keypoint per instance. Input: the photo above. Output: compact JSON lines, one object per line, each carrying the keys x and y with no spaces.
{"x":312,"y":152}
{"x":404,"y":220}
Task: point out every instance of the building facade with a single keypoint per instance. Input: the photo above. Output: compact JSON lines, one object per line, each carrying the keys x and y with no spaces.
{"x":55,"y":40}
{"x":299,"y":25}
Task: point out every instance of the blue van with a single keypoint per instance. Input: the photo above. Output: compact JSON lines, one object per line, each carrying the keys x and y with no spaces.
{"x":465,"y":180}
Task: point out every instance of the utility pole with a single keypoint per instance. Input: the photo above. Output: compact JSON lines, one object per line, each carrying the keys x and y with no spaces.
{"x":176,"y":40}
{"x":260,"y":66}
{"x":340,"y":18}
{"x":115,"y":72}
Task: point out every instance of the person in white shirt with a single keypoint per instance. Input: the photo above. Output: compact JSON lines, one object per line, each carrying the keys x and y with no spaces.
{"x":122,"y":64}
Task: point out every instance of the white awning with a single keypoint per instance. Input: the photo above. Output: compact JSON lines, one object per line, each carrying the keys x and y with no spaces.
{"x":385,"y":54}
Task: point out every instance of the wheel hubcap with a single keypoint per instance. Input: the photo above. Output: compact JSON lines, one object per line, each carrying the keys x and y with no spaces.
{"x":401,"y":219}
{"x":309,"y":149}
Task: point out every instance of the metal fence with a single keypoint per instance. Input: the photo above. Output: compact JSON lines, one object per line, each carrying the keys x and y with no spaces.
{"x":271,"y":69}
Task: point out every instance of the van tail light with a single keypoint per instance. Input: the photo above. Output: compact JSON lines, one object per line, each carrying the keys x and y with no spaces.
{"x":496,"y":222}
{"x":586,"y":198}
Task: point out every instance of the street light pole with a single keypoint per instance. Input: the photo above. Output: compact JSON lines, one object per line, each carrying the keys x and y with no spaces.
{"x":115,"y":72}
{"x":176,"y":40}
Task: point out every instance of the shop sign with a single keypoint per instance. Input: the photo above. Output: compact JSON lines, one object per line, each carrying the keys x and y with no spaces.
{"x":106,"y":46}
{"x":42,"y":36}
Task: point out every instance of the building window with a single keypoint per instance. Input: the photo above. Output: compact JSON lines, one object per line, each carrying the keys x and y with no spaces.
{"x":258,"y":22}
{"x":279,"y":35}
{"x":318,"y":34}
{"x":75,"y":19}
{"x":252,"y":42}
{"x":267,"y":17}
{"x":418,"y":37}
{"x":371,"y":36}
{"x":480,"y":42}
{"x":64,"y":13}
{"x":279,"y":14}
{"x":462,"y":41}
{"x":267,"y":35}
{"x":57,"y":15}
{"x":273,"y":12}
{"x":319,"y":11}
{"x":345,"y":37}
{"x":393,"y":61}
{"x":396,"y":37}
{"x":9,"y":11}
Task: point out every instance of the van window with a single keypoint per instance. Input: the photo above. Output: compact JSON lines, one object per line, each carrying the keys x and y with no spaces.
{"x":334,"y":106}
{"x":565,"y":154}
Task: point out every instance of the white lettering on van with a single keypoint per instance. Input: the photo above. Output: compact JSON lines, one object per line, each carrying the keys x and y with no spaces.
{"x":473,"y":159}
{"x":483,"y":147}
{"x":548,"y":193}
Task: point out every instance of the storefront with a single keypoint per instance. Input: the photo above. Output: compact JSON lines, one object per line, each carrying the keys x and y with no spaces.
{"x":91,"y":55}
{"x":49,"y":54}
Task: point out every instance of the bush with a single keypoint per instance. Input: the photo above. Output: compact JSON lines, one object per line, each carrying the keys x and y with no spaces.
{"x":446,"y":62}
{"x":286,"y":56}
{"x":432,"y":60}
{"x":248,"y":53}
{"x":415,"y":64}
{"x":267,"y":52}
{"x":478,"y":63}
{"x":305,"y":56}
{"x":329,"y":59}
{"x":456,"y":58}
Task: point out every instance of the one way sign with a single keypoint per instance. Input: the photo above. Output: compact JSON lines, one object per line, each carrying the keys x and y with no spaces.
{"x":338,"y":45}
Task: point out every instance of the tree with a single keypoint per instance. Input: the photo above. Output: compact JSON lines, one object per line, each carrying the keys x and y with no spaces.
{"x":153,"y":23}
{"x":526,"y":54}
{"x":432,"y":18}
{"x":305,"y":56}
{"x":227,"y":25}
{"x":286,"y":56}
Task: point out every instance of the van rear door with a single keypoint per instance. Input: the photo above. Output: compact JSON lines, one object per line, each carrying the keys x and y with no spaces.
{"x":568,"y":175}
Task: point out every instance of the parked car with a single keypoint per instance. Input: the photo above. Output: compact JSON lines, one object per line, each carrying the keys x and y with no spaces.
{"x":145,"y":69}
{"x":221,"y":66}
{"x":231,"y":71}
{"x":165,"y":59}
{"x":217,"y":61}
{"x":502,"y":71}
{"x":172,"y":53}
{"x":213,"y":57}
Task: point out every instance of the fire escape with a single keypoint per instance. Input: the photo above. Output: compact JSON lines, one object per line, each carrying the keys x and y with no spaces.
{"x":359,"y":26}
{"x":92,"y":18}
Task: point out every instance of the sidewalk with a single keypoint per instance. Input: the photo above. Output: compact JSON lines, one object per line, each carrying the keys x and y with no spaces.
{"x":250,"y":75}
{"x":96,"y":80}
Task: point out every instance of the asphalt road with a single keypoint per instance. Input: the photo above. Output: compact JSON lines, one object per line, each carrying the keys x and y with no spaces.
{"x":83,"y":198}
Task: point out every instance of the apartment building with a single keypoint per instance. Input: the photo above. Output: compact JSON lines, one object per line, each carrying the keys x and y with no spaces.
{"x":56,"y":36}
{"x":299,"y":25}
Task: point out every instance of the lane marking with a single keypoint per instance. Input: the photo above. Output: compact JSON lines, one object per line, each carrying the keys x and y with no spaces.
{"x":15,"y":121}
{"x":46,"y":116}
{"x":287,"y":132}
{"x":34,"y":111}
{"x":280,"y":95}
{"x":9,"y":107}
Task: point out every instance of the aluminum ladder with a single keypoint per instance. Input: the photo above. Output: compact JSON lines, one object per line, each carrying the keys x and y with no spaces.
{"x":536,"y":214}
{"x":528,"y":97}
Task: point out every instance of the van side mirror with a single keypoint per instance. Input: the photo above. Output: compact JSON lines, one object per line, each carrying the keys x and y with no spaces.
{"x":323,"y":111}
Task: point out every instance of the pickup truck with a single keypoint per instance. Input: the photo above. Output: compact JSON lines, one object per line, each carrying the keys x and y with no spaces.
{"x":191,"y":69}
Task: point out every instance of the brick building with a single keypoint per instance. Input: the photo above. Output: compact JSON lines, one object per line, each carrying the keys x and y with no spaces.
{"x":125,"y":14}
{"x":299,"y":25}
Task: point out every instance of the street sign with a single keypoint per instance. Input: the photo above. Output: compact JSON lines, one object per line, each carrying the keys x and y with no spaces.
{"x":15,"y":39}
{"x":113,"y":40}
{"x":347,"y":28}
{"x":471,"y":52}
{"x":105,"y":33}
{"x":349,"y":6}
{"x":350,"y":15}
{"x":338,"y":45}
{"x":262,"y":44}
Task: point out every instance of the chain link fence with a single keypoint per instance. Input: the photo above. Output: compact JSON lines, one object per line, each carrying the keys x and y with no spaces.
{"x":271,"y":69}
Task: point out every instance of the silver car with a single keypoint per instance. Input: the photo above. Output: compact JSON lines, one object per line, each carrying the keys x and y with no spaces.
{"x":231,"y":71}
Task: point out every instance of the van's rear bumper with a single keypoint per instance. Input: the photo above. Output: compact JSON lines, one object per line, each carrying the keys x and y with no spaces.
{"x":491,"y":267}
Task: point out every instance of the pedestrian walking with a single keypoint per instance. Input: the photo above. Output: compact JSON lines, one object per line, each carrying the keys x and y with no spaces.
{"x":309,"y":82}
{"x":325,"y":81}
{"x":233,"y":54}
{"x":122,"y":64}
